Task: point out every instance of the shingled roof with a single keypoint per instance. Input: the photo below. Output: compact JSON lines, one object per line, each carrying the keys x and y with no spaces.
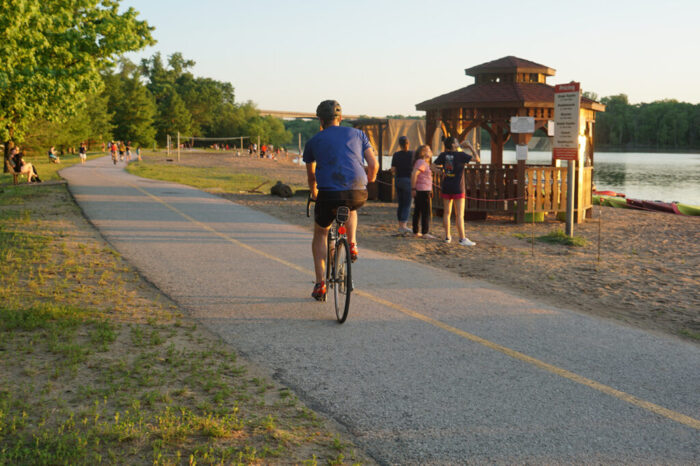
{"x":510,"y":64}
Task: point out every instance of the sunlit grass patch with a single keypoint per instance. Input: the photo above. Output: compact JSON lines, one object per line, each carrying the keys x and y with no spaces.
{"x":98,"y":367}
{"x":226,"y":180}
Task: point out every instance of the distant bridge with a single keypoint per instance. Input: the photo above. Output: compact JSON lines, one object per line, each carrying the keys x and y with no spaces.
{"x":287,"y":115}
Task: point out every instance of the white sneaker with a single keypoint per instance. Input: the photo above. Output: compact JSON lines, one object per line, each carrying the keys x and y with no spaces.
{"x":448,"y":239}
{"x":428,"y":236}
{"x":466,"y":242}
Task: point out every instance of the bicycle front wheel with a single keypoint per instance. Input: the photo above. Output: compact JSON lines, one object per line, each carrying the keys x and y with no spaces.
{"x":342,"y":279}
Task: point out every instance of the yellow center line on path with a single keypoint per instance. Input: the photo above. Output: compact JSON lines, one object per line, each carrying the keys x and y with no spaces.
{"x":631,"y":399}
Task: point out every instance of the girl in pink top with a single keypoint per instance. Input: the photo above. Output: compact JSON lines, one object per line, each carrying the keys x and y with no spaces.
{"x":422,"y":191}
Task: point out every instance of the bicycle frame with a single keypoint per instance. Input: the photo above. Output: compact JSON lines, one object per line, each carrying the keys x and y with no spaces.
{"x":338,"y":262}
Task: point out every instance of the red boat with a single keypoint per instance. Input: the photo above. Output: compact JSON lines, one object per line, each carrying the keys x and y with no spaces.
{"x":608,"y":193}
{"x":656,"y":206}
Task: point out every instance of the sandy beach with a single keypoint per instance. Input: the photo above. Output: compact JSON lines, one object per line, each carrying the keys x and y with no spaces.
{"x":647,"y":276}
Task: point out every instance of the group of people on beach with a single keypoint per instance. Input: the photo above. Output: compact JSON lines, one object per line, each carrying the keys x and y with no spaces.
{"x":413,"y":179}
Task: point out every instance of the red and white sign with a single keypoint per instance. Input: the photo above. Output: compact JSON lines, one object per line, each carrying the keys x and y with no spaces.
{"x":567,"y":104}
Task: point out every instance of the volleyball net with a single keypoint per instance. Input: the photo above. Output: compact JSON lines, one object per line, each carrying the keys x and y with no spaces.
{"x":231,"y":143}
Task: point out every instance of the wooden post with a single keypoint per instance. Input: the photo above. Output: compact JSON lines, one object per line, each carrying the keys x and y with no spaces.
{"x":570,"y":187}
{"x":520,"y":213}
{"x":380,"y":143}
{"x":178,"y":146}
{"x":521,"y":138}
{"x":497,"y":142}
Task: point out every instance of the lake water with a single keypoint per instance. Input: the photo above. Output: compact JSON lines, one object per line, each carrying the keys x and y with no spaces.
{"x":664,"y":177}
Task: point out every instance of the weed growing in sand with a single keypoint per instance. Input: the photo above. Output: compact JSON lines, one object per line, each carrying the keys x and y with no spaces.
{"x":97,"y":367}
{"x":556,"y":237}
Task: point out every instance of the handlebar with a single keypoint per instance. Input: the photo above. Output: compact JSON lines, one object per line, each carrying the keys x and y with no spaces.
{"x":308,"y":205}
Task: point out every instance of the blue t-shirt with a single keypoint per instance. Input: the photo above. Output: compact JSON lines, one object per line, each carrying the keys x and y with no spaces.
{"x":339,"y":153}
{"x":453,"y":163}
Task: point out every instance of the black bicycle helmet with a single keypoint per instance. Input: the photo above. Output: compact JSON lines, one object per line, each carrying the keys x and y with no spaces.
{"x":328,"y":109}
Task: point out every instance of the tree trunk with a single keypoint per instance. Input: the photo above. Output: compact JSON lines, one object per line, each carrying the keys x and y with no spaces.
{"x":6,"y":156}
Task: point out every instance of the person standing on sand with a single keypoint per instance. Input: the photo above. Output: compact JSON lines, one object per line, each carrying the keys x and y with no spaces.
{"x":422,"y":191}
{"x":401,"y":169}
{"x":337,"y":176}
{"x":452,"y":163}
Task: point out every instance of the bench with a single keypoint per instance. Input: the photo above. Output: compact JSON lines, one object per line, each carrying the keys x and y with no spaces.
{"x":11,"y":170}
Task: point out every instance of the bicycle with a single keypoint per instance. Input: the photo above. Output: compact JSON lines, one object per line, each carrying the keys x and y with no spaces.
{"x":338,"y":262}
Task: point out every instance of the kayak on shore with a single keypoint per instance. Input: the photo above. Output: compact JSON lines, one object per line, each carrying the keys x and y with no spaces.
{"x":621,"y":202}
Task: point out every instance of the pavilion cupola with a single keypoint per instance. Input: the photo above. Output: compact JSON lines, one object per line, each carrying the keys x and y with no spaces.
{"x":510,"y":70}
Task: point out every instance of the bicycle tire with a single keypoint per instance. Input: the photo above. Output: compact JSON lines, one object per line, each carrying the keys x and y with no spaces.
{"x":342,"y":279}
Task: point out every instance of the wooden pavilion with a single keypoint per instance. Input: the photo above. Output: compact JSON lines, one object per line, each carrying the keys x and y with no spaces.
{"x":504,"y":88}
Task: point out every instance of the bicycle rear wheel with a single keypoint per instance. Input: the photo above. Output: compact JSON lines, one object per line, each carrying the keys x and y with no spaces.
{"x":342,"y":279}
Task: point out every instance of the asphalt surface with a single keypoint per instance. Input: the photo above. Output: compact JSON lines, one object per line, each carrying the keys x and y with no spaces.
{"x":429,"y":367}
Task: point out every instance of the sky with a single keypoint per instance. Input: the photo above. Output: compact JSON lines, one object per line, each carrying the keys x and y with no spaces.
{"x":382,"y":57}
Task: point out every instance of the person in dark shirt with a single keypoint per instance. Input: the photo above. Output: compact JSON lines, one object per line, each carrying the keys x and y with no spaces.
{"x":452,"y":163}
{"x":22,"y":167}
{"x":401,"y":168}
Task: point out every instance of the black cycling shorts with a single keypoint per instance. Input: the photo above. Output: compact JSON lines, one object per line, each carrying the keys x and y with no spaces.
{"x":328,"y":202}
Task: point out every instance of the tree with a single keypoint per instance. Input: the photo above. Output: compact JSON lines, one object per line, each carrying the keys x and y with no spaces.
{"x":173,"y":116}
{"x":132,"y":103}
{"x":92,"y":122}
{"x":51,"y":54}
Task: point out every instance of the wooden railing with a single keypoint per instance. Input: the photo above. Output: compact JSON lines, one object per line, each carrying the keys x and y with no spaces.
{"x":546,"y":188}
{"x":494,"y":189}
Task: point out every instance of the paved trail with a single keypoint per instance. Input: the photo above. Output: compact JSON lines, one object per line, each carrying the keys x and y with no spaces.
{"x":429,"y":367}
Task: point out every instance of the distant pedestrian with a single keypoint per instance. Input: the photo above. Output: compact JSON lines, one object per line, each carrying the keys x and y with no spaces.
{"x":422,"y":191}
{"x":401,"y":169}
{"x":113,"y":151}
{"x":128,"y":151}
{"x":138,"y":153}
{"x":122,"y":149}
{"x":83,"y":153}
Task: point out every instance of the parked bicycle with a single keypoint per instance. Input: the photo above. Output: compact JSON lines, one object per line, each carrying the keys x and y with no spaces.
{"x":338,"y":262}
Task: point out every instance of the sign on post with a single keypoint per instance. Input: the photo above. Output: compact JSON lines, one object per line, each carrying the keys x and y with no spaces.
{"x":567,"y":103}
{"x":521,"y":124}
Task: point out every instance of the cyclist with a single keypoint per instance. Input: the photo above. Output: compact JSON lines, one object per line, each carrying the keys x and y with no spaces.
{"x":337,"y":176}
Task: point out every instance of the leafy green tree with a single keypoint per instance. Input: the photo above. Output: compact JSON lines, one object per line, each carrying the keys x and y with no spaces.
{"x":173,"y":116}
{"x":90,"y":123}
{"x":133,"y":105}
{"x":51,"y":54}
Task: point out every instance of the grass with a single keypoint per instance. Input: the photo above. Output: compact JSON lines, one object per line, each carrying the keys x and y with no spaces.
{"x":48,"y":171}
{"x":221,"y":179}
{"x":96,"y":366}
{"x":556,"y":237}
